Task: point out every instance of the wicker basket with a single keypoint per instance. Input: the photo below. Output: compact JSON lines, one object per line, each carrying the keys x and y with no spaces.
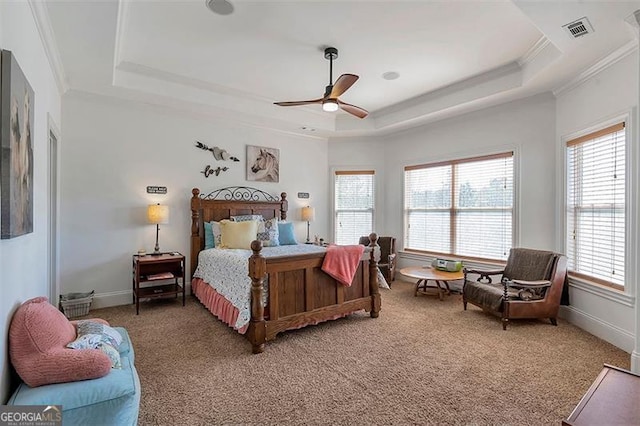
{"x":77,"y":307}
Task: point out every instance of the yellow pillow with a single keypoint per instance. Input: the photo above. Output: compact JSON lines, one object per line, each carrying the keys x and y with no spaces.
{"x":238,"y":235}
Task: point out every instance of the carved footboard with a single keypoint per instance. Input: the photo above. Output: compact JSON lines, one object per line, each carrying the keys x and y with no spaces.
{"x":300,"y":293}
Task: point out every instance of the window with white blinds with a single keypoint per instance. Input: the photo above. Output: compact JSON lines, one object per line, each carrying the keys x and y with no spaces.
{"x":354,"y":205}
{"x":461,"y":207}
{"x":595,"y":217}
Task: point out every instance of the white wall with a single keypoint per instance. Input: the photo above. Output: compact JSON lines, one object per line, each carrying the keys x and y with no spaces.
{"x":612,"y":92}
{"x":23,"y":260}
{"x":526,"y":126}
{"x":113,"y":150}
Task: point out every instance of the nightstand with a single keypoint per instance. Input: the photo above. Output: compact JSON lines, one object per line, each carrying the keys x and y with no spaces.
{"x":158,"y":276}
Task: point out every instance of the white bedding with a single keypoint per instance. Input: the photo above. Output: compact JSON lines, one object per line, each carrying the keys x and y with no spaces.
{"x":226,"y":270}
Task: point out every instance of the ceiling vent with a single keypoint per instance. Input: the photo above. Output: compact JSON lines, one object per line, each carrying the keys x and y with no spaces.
{"x":578,"y":28}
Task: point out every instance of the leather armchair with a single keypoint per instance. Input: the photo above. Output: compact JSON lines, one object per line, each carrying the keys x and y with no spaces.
{"x":387,"y":263}
{"x":530,"y":286}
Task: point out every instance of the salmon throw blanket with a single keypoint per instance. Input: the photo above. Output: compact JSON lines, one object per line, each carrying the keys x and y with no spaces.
{"x":341,"y":262}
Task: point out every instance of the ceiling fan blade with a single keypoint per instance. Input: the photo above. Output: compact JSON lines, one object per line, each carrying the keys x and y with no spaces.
{"x":342,"y":84}
{"x":352,"y":109}
{"x":296,"y":103}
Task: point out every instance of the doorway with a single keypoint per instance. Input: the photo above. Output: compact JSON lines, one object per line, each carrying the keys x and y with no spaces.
{"x":52,"y":225}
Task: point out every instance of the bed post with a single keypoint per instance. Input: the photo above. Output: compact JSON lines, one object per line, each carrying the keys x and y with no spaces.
{"x":284,"y":206}
{"x":373,"y":275}
{"x":257,"y":327}
{"x":196,"y":240}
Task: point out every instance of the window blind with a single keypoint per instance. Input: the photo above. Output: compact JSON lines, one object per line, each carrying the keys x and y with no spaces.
{"x":461,"y":207}
{"x":354,"y":205}
{"x":595,"y":215}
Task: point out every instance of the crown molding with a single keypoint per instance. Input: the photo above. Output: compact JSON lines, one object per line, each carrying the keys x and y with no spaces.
{"x":45,"y":29}
{"x":154,"y":76}
{"x":508,"y":70}
{"x":534,"y":51}
{"x":191,"y":111}
{"x":598,"y":67}
{"x":123,"y":12}
{"x":634,"y":22}
{"x":169,"y":77}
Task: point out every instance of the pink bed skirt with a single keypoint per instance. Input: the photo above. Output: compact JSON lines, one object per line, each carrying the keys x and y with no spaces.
{"x":216,"y":304}
{"x":226,"y":312}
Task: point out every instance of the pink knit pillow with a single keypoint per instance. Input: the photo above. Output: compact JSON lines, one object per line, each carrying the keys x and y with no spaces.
{"x":37,"y":339}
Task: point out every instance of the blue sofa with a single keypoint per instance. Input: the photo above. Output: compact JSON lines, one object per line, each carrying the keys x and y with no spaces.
{"x":110,"y":400}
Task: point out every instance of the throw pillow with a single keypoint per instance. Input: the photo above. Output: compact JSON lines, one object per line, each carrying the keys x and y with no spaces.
{"x":109,"y":334}
{"x":238,"y":235}
{"x":212,"y":235}
{"x":267,"y":229}
{"x":88,"y":341}
{"x":112,"y":353}
{"x":95,"y":335}
{"x":268,"y":233}
{"x":37,"y":339}
{"x":246,"y":217}
{"x":286,"y":236}
{"x":208,"y":236}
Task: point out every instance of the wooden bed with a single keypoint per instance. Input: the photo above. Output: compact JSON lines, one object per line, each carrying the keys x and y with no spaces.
{"x":300,"y":293}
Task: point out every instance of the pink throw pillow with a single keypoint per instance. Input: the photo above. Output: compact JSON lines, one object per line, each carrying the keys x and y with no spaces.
{"x":37,"y":338}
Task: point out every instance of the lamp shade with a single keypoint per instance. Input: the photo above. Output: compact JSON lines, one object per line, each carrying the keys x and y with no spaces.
{"x":157,"y":213}
{"x":308,"y":214}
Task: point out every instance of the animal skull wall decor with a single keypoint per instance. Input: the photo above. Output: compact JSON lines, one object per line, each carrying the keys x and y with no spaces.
{"x":218,"y":153}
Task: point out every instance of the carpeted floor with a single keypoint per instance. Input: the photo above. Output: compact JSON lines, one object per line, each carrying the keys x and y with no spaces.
{"x":423,"y":361}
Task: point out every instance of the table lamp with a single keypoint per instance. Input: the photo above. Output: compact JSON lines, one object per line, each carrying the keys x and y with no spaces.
{"x":308,"y":215}
{"x":157,"y":214}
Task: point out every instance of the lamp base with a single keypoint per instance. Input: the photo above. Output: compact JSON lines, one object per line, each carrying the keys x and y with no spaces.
{"x":156,"y":250}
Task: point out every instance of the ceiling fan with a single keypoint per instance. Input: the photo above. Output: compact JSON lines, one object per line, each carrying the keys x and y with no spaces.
{"x":330,"y":101}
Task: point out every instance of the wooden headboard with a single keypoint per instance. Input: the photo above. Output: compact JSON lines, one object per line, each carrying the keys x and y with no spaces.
{"x":226,"y":202}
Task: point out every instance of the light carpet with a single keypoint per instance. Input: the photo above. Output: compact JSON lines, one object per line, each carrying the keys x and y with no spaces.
{"x":423,"y":361}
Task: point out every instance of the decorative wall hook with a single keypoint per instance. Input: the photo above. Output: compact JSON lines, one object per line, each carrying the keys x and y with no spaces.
{"x":208,"y":171}
{"x":218,"y":153}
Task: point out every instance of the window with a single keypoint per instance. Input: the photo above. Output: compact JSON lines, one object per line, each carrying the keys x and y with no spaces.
{"x":461,"y":207}
{"x":353,"y":205}
{"x":595,"y":216}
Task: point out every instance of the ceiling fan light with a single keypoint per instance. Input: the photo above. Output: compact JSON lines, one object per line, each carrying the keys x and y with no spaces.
{"x":330,"y":105}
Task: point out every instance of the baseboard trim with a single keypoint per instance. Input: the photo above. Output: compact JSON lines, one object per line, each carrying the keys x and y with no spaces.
{"x":602,"y":329}
{"x":635,"y":362}
{"x":112,"y":298}
{"x":116,"y":298}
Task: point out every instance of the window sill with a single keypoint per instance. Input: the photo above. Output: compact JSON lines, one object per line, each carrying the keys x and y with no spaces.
{"x":603,"y":291}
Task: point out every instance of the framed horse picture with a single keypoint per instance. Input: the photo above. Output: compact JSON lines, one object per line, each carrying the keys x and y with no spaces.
{"x":263,"y":164}
{"x":16,"y":156}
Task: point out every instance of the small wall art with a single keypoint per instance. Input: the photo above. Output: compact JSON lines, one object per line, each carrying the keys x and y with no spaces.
{"x":263,"y":164}
{"x":16,"y":155}
{"x":208,"y":171}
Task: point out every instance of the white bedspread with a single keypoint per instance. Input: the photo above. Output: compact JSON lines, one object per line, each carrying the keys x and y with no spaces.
{"x":227,"y":271}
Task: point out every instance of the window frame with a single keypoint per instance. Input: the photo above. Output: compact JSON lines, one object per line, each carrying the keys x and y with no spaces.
{"x":631,"y":164}
{"x":364,"y":170}
{"x":499,"y":153}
